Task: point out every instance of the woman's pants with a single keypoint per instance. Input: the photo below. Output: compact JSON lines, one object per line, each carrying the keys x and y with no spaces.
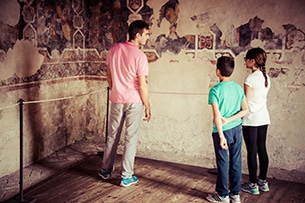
{"x":255,"y":140}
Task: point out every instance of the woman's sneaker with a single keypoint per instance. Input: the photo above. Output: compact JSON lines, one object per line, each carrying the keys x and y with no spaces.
{"x":263,"y":185}
{"x":251,"y":188}
{"x":216,"y":198}
{"x":125,"y":182}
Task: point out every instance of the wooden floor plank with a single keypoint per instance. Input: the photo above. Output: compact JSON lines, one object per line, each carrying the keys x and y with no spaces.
{"x":276,"y":193}
{"x":159,"y":182}
{"x":294,"y":194}
{"x":153,"y":178}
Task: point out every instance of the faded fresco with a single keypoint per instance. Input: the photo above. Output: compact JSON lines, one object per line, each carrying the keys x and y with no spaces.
{"x":84,"y":30}
{"x":65,"y":31}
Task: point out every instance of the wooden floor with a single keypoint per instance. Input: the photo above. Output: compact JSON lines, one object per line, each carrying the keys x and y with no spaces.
{"x":159,"y":182}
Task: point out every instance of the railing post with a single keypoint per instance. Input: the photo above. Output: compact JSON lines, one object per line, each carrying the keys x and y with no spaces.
{"x":21,"y":199}
{"x":107,"y":113}
{"x":101,"y":153}
{"x":21,"y":148}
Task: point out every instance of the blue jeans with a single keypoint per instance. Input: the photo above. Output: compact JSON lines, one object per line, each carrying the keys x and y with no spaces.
{"x":131,"y":115}
{"x":229,"y":163}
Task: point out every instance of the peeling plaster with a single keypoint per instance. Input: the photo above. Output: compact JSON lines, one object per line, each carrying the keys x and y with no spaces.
{"x":23,"y":60}
{"x":10,"y":12}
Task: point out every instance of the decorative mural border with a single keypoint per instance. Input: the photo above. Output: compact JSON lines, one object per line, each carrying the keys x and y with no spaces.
{"x":80,"y":32}
{"x":52,"y":81}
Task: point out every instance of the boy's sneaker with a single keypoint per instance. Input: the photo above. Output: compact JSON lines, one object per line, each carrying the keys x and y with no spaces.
{"x":216,"y":198}
{"x":234,"y":198}
{"x":263,"y":185}
{"x":104,"y":175}
{"x":251,"y":188}
{"x":125,"y":182}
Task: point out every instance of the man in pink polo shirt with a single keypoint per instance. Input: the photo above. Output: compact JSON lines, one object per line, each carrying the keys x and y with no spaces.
{"x":127,"y":69}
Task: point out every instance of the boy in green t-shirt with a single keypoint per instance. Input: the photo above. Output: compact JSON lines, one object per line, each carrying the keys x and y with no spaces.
{"x":228,"y":105}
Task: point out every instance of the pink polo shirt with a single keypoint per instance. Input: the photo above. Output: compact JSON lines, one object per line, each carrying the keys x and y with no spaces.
{"x":126,"y":62}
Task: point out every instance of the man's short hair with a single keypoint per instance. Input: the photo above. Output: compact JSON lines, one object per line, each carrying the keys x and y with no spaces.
{"x":135,"y":27}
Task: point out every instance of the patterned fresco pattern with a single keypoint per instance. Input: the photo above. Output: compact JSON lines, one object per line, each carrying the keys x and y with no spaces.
{"x":82,"y":31}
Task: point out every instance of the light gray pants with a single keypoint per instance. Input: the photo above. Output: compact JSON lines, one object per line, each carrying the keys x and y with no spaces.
{"x":132,"y":115}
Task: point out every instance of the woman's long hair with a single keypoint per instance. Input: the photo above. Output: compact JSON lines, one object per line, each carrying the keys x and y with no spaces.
{"x":260,"y":58}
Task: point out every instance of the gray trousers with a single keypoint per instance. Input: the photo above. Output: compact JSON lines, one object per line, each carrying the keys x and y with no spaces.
{"x":132,"y":115}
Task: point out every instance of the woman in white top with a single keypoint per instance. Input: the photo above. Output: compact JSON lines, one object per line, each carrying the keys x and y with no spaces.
{"x":255,"y":124}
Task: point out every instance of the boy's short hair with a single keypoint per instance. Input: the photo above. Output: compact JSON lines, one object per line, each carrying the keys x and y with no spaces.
{"x":135,"y":27}
{"x":225,"y":64}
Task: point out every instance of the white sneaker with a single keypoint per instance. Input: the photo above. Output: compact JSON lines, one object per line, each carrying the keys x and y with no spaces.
{"x":234,"y":198}
{"x":216,"y":198}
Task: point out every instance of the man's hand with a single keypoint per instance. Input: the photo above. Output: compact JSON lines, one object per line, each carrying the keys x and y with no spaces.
{"x":147,"y":114}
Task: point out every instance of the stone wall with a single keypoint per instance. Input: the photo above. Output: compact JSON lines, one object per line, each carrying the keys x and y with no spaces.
{"x":57,"y":49}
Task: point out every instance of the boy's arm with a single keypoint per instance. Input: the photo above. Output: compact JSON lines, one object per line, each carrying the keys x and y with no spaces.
{"x":218,"y":124}
{"x":244,"y":111}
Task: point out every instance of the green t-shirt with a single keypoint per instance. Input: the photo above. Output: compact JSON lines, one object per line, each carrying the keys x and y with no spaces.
{"x":228,"y":96}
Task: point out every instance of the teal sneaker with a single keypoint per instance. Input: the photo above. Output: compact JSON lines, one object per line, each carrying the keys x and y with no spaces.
{"x":263,"y":185}
{"x":125,"y":182}
{"x":251,"y":188}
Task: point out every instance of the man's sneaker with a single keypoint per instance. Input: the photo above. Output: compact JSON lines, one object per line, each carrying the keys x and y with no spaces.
{"x":251,"y":188}
{"x":263,"y":185}
{"x":104,"y":175}
{"x":234,"y":198}
{"x":125,"y":182}
{"x":216,"y":198}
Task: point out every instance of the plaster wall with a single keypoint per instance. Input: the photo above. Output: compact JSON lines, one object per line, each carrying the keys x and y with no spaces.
{"x":61,"y":54}
{"x":55,"y":114}
{"x":180,"y":129}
